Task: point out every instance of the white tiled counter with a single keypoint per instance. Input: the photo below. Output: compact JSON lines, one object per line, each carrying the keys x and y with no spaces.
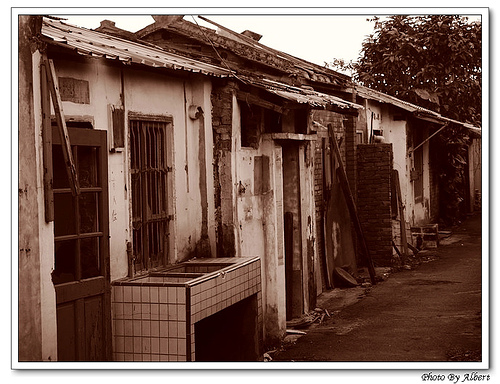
{"x":154,"y":316}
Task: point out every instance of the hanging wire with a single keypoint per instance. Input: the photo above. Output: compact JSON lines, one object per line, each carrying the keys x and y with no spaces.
{"x":217,"y":52}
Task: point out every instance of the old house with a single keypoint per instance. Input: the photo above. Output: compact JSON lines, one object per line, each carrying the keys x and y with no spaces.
{"x":264,"y":149}
{"x":182,"y":189}
{"x":115,"y":184}
{"x":135,"y":160}
{"x":401,"y":151}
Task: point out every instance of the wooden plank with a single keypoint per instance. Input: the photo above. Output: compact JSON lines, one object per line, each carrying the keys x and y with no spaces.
{"x":402,"y":224}
{"x":344,"y":183}
{"x":326,"y":198}
{"x":289,"y":263}
{"x":75,"y":290}
{"x":252,"y":99}
{"x":304,"y":210}
{"x":47,"y":147}
{"x":61,"y":123}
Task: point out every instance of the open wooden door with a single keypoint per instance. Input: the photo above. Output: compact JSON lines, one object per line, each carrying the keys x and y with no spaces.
{"x":81,"y":274}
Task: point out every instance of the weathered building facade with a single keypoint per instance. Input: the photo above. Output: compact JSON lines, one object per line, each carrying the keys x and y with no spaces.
{"x":141,"y":197}
{"x":199,"y":204}
{"x":404,"y":135}
{"x":265,"y":138}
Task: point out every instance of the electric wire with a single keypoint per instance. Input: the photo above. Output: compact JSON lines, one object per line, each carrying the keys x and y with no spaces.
{"x":217,"y":52}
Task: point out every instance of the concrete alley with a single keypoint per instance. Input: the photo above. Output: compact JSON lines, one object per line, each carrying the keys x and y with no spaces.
{"x":429,"y":313}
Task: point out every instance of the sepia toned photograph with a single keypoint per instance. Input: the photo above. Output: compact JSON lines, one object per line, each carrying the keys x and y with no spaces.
{"x":251,"y":190}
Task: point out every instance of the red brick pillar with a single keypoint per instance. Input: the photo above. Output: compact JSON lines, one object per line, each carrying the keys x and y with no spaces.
{"x":375,"y":163}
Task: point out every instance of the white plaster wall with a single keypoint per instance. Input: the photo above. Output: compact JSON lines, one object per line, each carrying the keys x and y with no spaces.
{"x":150,"y":93}
{"x":46,"y":233}
{"x":104,"y":89}
{"x":395,"y":132}
{"x":259,"y":219}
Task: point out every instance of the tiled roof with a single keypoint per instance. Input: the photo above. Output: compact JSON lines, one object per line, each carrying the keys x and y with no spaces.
{"x":302,"y":95}
{"x":91,"y":43}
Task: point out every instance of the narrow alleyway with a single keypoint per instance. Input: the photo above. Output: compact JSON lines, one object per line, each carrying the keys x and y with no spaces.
{"x":429,"y":313}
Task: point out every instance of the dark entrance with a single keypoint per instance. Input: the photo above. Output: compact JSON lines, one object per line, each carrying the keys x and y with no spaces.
{"x":229,"y":335}
{"x":292,"y":224}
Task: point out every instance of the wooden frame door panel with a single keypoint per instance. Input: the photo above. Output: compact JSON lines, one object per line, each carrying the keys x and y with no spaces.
{"x":81,"y":234}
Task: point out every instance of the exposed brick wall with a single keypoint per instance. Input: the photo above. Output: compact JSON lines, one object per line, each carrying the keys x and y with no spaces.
{"x":350,"y":148}
{"x":375,"y":163}
{"x":324,"y":118}
{"x":222,"y":107}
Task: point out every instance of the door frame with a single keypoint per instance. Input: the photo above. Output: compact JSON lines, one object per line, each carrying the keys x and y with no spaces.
{"x":82,"y":289}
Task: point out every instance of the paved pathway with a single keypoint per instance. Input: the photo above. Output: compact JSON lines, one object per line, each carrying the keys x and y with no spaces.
{"x":429,"y":313}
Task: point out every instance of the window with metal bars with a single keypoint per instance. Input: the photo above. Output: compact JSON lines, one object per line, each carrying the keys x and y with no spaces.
{"x":150,"y":192}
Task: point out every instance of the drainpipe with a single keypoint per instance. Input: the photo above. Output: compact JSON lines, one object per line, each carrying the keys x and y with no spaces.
{"x":203,"y":246}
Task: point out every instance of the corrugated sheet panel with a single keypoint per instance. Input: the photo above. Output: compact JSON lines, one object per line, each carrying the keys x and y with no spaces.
{"x":418,"y":111}
{"x":302,"y":95}
{"x":91,"y":43}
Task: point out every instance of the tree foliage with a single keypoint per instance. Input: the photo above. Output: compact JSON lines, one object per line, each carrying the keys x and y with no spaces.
{"x":432,"y":61}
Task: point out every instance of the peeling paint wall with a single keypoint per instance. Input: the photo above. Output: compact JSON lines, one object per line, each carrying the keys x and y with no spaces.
{"x":150,"y":94}
{"x":138,"y":91}
{"x":259,"y":223}
{"x":397,"y":130}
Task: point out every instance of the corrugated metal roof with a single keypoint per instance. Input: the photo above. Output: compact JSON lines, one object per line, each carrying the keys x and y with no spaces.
{"x":418,"y":111}
{"x":302,"y":95}
{"x":96,"y":44}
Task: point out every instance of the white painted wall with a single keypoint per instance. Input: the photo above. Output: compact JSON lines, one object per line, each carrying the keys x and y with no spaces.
{"x":151,"y":93}
{"x":146,"y":93}
{"x":395,"y":132}
{"x":259,"y":222}
{"x":46,"y":234}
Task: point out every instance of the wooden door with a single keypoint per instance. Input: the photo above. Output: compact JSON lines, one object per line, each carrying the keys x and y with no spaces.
{"x":81,"y":274}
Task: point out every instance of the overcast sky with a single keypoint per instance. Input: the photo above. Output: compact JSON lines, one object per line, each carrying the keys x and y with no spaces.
{"x":317,"y":35}
{"x":315,"y":38}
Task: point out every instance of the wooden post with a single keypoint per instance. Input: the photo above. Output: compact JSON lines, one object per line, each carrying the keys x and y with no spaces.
{"x":288,"y":223}
{"x":351,"y":205}
{"x":47,"y":146}
{"x":402,"y":225}
{"x":326,"y":198}
{"x":61,"y":124}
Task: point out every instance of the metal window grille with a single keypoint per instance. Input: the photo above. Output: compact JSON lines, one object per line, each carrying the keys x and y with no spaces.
{"x":149,"y":173}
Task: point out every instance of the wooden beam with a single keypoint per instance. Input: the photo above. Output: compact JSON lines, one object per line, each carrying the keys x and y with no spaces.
{"x":337,"y":109}
{"x":61,"y":124}
{"x":326,"y":198}
{"x":351,"y":205}
{"x":47,"y":146}
{"x":252,"y":99}
{"x":291,"y":136}
{"x":430,"y":137}
{"x":402,"y":225}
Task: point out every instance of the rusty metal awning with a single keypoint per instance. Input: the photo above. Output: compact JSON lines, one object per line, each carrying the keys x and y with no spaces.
{"x":95,"y":44}
{"x":303,"y":95}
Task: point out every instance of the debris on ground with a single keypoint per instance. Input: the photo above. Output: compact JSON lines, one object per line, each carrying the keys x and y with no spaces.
{"x":268,"y":355}
{"x":315,"y":316}
{"x":295,"y":332}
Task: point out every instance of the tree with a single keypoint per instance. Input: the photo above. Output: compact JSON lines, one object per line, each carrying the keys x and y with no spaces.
{"x":435,"y":62}
{"x":432,"y":61}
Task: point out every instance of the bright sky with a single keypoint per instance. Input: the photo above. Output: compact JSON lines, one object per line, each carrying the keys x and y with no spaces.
{"x":317,"y":35}
{"x":315,"y":38}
